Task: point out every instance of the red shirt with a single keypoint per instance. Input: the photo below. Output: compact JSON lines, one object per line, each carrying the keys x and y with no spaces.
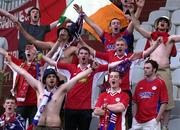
{"x":30,"y":97}
{"x":110,"y":98}
{"x":79,"y":97}
{"x":148,"y":96}
{"x":112,"y":57}
{"x":109,"y":41}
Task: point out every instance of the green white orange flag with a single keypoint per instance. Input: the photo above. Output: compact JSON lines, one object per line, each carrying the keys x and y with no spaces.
{"x":99,"y":11}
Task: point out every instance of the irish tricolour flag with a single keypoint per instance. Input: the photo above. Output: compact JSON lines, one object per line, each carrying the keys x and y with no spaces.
{"x":100,"y":11}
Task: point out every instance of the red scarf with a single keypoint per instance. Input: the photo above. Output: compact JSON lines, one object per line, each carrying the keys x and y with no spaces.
{"x":23,"y":86}
{"x":165,"y":36}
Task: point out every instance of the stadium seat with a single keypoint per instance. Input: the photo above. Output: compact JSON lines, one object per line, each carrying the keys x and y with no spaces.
{"x":175,"y":61}
{"x":137,"y":35}
{"x":173,"y":30}
{"x":136,"y":74}
{"x":178,"y":30}
{"x":175,"y":17}
{"x":171,"y":5}
{"x":140,"y":45}
{"x":176,"y":81}
{"x":156,"y":14}
{"x":175,"y":92}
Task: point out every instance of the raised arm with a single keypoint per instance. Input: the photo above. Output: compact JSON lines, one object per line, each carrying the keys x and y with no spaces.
{"x":50,"y":61}
{"x":68,"y":85}
{"x":137,"y":26}
{"x":7,"y":14}
{"x":31,"y":39}
{"x":147,"y":52}
{"x":174,"y":38}
{"x":154,"y":45}
{"x":35,"y":84}
{"x":53,"y":49}
{"x":140,"y":5}
{"x":81,"y":41}
{"x":53,"y":24}
{"x":116,"y":63}
{"x":98,"y":29}
{"x":3,"y":52}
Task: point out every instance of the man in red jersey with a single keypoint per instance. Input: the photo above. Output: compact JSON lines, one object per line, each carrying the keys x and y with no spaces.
{"x":49,"y":95}
{"x":109,"y":38}
{"x":150,"y":98}
{"x":113,"y":100}
{"x":162,"y":55}
{"x":80,"y":100}
{"x":25,"y":95}
{"x":119,"y":54}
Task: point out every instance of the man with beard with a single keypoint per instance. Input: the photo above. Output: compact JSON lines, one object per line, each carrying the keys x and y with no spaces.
{"x":150,"y":98}
{"x":119,"y":54}
{"x":162,"y":56}
{"x":49,"y":95}
{"x":115,"y":101}
{"x":107,"y":38}
{"x":25,"y":95}
{"x":10,"y":120}
{"x":80,"y":100}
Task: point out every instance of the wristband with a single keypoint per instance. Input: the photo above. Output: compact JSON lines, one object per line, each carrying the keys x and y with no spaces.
{"x":82,"y":14}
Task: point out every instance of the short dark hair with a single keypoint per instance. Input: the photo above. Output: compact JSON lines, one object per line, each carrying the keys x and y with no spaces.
{"x":115,"y":70}
{"x":113,"y":19}
{"x":48,"y":72}
{"x":69,"y":33}
{"x":9,"y":97}
{"x":84,"y":48}
{"x":34,"y":8}
{"x":121,"y":39}
{"x":153,"y":63}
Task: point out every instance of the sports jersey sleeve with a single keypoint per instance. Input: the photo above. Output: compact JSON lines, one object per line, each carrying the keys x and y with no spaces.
{"x":125,"y":100}
{"x":163,"y":93}
{"x":69,"y":67}
{"x":102,"y":68}
{"x":102,"y":55}
{"x":100,"y":100}
{"x":16,"y":60}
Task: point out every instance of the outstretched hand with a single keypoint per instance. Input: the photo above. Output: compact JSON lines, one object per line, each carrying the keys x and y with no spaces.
{"x":94,"y":65}
{"x":131,"y":8}
{"x":140,"y":3}
{"x":78,"y":8}
{"x":158,"y":41}
{"x":8,"y":59}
